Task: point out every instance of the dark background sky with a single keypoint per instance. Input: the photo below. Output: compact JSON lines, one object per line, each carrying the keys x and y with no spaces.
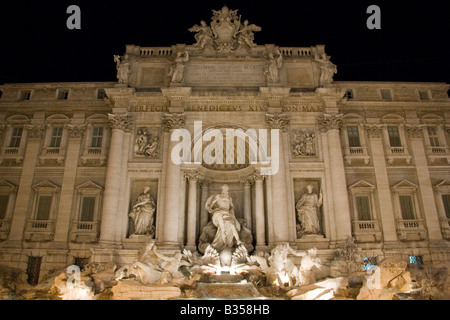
{"x":36,"y":46}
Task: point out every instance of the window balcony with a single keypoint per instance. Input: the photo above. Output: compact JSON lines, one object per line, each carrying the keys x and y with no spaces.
{"x":394,"y":153}
{"x":52,"y":154}
{"x":411,"y":230}
{"x":445,"y":227}
{"x":367,"y":231}
{"x":84,"y":231}
{"x":356,"y":153}
{"x":94,"y":154}
{"x":39,"y":230}
{"x":4,"y":229}
{"x":438,"y":152}
{"x":14,"y":154}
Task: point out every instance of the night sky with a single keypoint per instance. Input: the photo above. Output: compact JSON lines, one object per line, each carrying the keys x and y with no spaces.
{"x":36,"y":46}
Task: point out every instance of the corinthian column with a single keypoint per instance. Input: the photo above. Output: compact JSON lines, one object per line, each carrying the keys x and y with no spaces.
{"x":170,"y":226}
{"x":331,"y":123}
{"x":259,"y":212}
{"x":192,"y":179}
{"x":248,"y":202}
{"x":110,"y":214}
{"x":280,"y":179}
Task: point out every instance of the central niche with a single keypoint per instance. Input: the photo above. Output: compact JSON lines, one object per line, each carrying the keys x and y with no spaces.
{"x":229,"y":148}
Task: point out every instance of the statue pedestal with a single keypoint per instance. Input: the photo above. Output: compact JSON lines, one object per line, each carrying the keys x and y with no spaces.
{"x":137,"y":241}
{"x":309,"y":241}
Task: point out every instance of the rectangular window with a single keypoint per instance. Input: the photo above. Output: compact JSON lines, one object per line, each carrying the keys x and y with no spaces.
{"x":363,"y":207}
{"x":87,"y":209}
{"x":433,"y":135}
{"x":101,"y":94}
{"x":4,"y":199}
{"x":424,"y":95}
{"x":63,"y":95}
{"x":55,"y":141}
{"x":394,"y":136}
{"x":25,"y":95}
{"x":43,"y":207}
{"x":16,"y":136}
{"x":369,"y":262}
{"x":349,"y":94}
{"x":34,"y":269}
{"x":97,"y":135}
{"x":407,"y":207}
{"x":417,"y":260}
{"x":353,"y":136}
{"x":446,"y":201}
{"x":386,"y":94}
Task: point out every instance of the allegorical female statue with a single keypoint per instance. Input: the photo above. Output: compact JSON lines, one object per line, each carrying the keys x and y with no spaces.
{"x":221,"y":207}
{"x":308,"y":211}
{"x":143,"y":213}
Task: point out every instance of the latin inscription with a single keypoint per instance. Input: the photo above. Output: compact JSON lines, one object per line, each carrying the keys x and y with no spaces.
{"x":243,"y":73}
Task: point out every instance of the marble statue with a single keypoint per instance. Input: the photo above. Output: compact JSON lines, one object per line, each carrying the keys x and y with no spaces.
{"x":304,"y":274}
{"x":171,"y":267}
{"x":203,"y":35}
{"x":146,"y":144}
{"x":280,"y":266}
{"x":273,"y":66}
{"x":308,"y":211}
{"x":143,"y":213}
{"x":220,"y":206}
{"x":245,"y":34}
{"x":177,"y":69}
{"x":327,"y":69}
{"x":123,"y":69}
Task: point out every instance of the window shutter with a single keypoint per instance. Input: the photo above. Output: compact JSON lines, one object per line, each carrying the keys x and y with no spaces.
{"x":87,"y":209}
{"x":363,"y":207}
{"x":407,"y":207}
{"x":43,"y":209}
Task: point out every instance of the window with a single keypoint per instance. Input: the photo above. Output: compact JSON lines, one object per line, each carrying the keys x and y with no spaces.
{"x":407,"y":207}
{"x":55,"y":140}
{"x":349,"y":94}
{"x":386,"y":94}
{"x":417,"y":260}
{"x":4,"y":200}
{"x":353,"y":136}
{"x":433,"y":136}
{"x":33,"y":269}
{"x":87,"y":209}
{"x":446,"y":202}
{"x":101,"y":94}
{"x":369,"y":262}
{"x":363,"y":208}
{"x":1,"y":94}
{"x":63,"y":95}
{"x":424,"y":95}
{"x":16,"y":136}
{"x":394,"y":136}
{"x":43,"y":207}
{"x":25,"y":95}
{"x":97,"y":135}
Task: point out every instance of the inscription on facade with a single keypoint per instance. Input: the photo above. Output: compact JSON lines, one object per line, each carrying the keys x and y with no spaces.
{"x":230,"y":73}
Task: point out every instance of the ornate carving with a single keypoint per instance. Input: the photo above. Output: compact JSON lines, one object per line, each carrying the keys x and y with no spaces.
{"x":173,"y":121}
{"x":225,"y":33}
{"x":330,"y":122}
{"x":374,"y":130}
{"x":146,"y":144}
{"x":304,"y":143}
{"x":272,"y":67}
{"x":192,"y":176}
{"x":76,"y":130}
{"x":277,"y":121}
{"x":177,"y":69}
{"x":120,"y":121}
{"x":35,"y":130}
{"x":327,"y":69}
{"x":415,"y":130}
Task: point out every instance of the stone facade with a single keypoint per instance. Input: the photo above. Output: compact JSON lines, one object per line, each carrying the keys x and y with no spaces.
{"x":75,"y":157}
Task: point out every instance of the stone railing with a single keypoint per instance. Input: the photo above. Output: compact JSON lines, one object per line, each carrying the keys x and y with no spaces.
{"x":155,"y":51}
{"x":296,"y":51}
{"x":367,"y":231}
{"x":39,"y":230}
{"x":84,"y":231}
{"x":413,"y":229}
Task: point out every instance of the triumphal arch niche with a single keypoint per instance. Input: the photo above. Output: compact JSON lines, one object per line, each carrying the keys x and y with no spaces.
{"x":255,"y":120}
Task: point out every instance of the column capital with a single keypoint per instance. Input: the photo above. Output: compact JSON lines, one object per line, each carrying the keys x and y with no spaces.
{"x":374,"y":130}
{"x":257,"y":177}
{"x":173,"y":121}
{"x":247,"y":181}
{"x":76,"y":130}
{"x":330,"y":122}
{"x":35,"y":130}
{"x":120,"y":121}
{"x":277,"y":121}
{"x":415,"y":130}
{"x":192,"y":176}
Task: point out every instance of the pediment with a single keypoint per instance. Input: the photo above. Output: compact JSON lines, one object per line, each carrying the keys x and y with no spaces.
{"x":7,"y":187}
{"x":89,"y":185}
{"x":361,"y":184}
{"x":404,"y":184}
{"x":46,"y":185}
{"x":443,"y":186}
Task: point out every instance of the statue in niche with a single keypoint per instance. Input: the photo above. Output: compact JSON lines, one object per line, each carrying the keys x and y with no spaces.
{"x":177,"y":69}
{"x":245,"y":34}
{"x":123,"y":69}
{"x":304,"y":143}
{"x":220,"y":206}
{"x":146,"y":144}
{"x":143,"y":214}
{"x":273,"y":65}
{"x":327,"y":69}
{"x":203,"y":35}
{"x":308,"y":212}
